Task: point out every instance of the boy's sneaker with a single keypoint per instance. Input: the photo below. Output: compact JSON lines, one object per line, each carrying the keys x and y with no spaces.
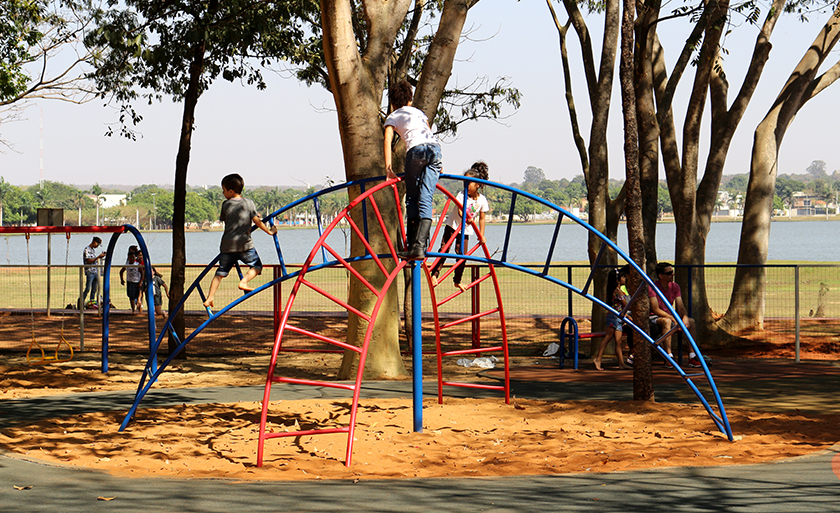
{"x":693,"y":362}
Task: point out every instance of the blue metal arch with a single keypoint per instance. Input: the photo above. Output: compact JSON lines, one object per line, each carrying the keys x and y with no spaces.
{"x":106,"y":293}
{"x":720,"y":419}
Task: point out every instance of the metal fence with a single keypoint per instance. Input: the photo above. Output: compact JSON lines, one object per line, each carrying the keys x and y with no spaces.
{"x":802,"y":303}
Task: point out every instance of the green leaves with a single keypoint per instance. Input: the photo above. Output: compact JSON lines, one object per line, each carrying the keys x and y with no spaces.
{"x":19,"y":30}
{"x":149,"y":45}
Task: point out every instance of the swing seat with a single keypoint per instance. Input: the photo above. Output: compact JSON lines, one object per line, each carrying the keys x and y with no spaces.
{"x":48,"y":359}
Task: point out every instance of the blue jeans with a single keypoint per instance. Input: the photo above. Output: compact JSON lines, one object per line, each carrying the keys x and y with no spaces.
{"x":423,"y":164}
{"x":92,"y":286}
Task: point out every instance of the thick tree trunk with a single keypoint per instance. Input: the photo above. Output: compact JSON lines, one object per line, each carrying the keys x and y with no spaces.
{"x":725,"y":120}
{"x":597,"y":177}
{"x":357,"y":83}
{"x":182,"y":161}
{"x":746,"y":305}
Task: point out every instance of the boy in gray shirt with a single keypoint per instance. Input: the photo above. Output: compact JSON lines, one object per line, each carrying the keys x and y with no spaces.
{"x":237,"y":213}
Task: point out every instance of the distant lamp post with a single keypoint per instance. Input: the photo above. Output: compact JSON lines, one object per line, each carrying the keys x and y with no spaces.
{"x":154,"y":206}
{"x":98,"y":199}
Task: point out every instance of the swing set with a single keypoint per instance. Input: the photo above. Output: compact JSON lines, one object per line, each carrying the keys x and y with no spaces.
{"x":62,"y":343}
{"x":63,"y":350}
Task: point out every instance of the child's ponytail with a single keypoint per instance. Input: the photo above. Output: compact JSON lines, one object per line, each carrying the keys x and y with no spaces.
{"x":479,"y":170}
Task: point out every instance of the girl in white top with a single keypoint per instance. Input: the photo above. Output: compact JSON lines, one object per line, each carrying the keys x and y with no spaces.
{"x":423,"y":163}
{"x":476,"y":206}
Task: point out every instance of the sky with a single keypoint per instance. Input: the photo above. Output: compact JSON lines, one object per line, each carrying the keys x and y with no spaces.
{"x":287,"y":135}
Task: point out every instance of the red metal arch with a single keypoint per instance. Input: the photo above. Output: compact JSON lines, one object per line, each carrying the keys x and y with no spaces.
{"x":390,"y":267}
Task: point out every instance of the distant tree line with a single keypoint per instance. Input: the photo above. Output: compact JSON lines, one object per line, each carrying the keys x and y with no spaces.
{"x":571,"y":194}
{"x":153,"y":205}
{"x":147,"y":206}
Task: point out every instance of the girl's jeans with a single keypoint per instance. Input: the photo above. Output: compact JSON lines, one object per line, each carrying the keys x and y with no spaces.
{"x":423,"y":164}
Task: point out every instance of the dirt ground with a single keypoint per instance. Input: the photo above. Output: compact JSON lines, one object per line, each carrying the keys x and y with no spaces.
{"x":471,"y":437}
{"x":463,"y":437}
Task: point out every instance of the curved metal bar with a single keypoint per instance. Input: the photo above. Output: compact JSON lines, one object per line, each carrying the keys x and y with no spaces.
{"x":460,"y":233}
{"x":722,"y":421}
{"x":106,"y":287}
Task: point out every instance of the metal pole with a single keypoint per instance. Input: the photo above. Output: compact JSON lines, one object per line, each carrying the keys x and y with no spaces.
{"x":417,"y":346}
{"x":81,"y":305}
{"x":49,"y":268}
{"x":796,"y":311}
{"x":475,"y":299}
{"x":569,"y":291}
{"x":277,"y":296}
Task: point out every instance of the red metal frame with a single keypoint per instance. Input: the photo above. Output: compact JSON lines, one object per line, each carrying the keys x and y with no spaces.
{"x":475,"y":316}
{"x":62,"y":229}
{"x":390,"y":277}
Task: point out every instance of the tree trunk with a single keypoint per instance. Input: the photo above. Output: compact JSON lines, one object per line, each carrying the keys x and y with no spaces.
{"x":603,"y":214}
{"x":646,"y":75}
{"x":357,"y":83}
{"x":725,"y":120}
{"x":746,"y":305}
{"x":179,"y":254}
{"x":642,"y":371}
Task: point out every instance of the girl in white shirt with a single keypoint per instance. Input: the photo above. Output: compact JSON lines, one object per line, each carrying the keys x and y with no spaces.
{"x":423,"y":163}
{"x":476,"y":206}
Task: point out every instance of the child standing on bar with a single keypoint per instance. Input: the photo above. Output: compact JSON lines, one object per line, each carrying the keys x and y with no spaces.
{"x":476,"y":206}
{"x":423,"y":163}
{"x":238,"y":214}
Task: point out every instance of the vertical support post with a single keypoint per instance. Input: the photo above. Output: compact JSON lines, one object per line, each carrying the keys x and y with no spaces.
{"x":475,"y":298}
{"x":81,"y":305}
{"x":49,"y":270}
{"x":417,"y":346}
{"x":569,"y":291}
{"x":277,"y":293}
{"x":796,"y":311}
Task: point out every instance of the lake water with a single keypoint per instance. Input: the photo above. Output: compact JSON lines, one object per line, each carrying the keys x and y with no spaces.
{"x":801,"y":240}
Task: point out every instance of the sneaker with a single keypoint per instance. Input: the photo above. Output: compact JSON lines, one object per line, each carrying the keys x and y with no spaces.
{"x":693,"y":362}
{"x":629,"y":360}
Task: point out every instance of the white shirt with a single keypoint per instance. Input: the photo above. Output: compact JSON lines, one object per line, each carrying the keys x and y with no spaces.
{"x":474,"y":206}
{"x":412,"y":125}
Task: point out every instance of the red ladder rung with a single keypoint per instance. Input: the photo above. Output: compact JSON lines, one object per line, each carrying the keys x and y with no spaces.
{"x":308,"y":432}
{"x":470,"y":318}
{"x":473,"y":385}
{"x":322,"y":338}
{"x":471,"y":351}
{"x":334,"y":299}
{"x":458,"y":293}
{"x":328,"y":384}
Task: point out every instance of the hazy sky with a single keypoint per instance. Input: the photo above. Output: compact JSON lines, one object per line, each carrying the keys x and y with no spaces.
{"x":287,"y":134}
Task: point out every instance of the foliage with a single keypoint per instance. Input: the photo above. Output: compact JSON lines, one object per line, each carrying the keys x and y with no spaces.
{"x":39,"y":52}
{"x":21,"y":204}
{"x":480,"y":99}
{"x":152,"y":44}
{"x":534,"y":175}
{"x":18,"y":33}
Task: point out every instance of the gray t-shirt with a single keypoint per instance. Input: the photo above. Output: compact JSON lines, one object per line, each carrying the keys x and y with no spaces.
{"x":237,"y":214}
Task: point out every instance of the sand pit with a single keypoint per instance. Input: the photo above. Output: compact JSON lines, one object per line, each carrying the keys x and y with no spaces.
{"x":461,"y":438}
{"x":476,"y":437}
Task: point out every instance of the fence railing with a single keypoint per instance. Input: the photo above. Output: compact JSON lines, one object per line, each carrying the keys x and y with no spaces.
{"x":801,"y":301}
